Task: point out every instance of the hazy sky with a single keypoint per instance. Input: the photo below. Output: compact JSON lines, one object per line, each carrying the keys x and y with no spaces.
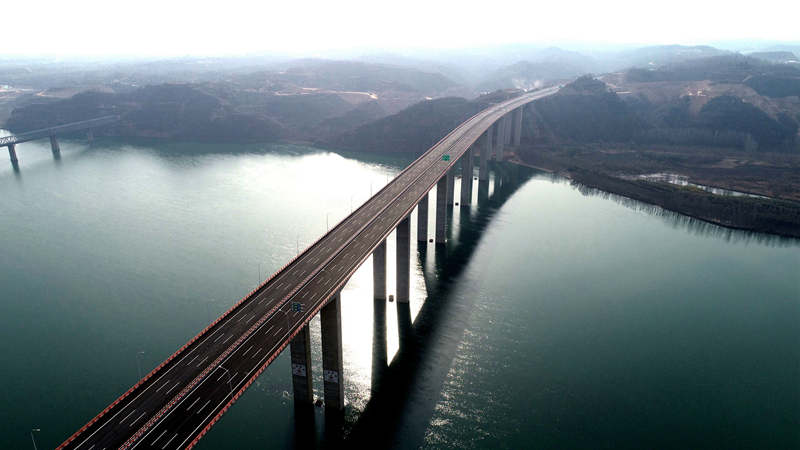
{"x":164,"y":27}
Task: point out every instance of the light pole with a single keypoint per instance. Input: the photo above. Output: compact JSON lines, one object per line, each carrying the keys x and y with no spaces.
{"x":34,"y":440}
{"x":137,"y":363}
{"x":327,"y":226}
{"x":229,"y":379}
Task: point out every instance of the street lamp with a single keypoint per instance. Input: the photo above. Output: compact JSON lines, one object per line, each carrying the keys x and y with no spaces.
{"x":229,"y":379}
{"x":34,"y":440}
{"x":137,"y":363}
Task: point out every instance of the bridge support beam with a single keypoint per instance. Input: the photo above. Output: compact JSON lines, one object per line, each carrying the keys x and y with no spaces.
{"x":379,"y":272}
{"x":12,"y":153}
{"x":501,"y":136}
{"x":54,"y":145}
{"x":422,"y":219}
{"x":89,"y":135}
{"x":441,"y":211}
{"x":404,"y":260}
{"x":451,"y":184}
{"x":466,"y":176}
{"x":486,"y":153}
{"x":518,"y":126}
{"x":332,"y":365}
{"x":300,"y":348}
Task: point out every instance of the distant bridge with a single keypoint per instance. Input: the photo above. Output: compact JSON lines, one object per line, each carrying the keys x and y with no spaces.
{"x":179,"y":401}
{"x":53,"y":132}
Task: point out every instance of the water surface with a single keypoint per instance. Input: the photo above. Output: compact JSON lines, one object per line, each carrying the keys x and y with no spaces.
{"x":555,"y":318}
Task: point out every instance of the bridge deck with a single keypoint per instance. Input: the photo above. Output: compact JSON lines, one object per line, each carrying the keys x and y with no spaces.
{"x":176,"y":404}
{"x":53,"y":131}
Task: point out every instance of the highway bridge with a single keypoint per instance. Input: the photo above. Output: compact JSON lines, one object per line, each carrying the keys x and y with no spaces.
{"x":179,"y":401}
{"x":53,"y":132}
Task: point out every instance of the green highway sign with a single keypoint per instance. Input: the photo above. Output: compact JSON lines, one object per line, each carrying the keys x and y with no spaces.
{"x":297,"y":307}
{"x":445,"y":157}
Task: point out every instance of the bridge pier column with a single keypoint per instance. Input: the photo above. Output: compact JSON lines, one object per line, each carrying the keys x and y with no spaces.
{"x":518,"y":126}
{"x":300,"y":348}
{"x":451,"y":184}
{"x":509,"y":123}
{"x":501,"y":137}
{"x":486,"y":153}
{"x":379,"y":272}
{"x":54,"y":145}
{"x":466,"y":176}
{"x":12,"y":153}
{"x":422,"y":219}
{"x":332,"y":365}
{"x":89,"y":135}
{"x":441,"y":210}
{"x":404,"y":260}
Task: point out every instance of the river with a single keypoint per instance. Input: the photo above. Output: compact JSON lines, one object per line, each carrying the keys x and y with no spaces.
{"x":557,"y":317}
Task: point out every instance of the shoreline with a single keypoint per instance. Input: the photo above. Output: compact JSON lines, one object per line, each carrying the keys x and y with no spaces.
{"x":594,"y":180}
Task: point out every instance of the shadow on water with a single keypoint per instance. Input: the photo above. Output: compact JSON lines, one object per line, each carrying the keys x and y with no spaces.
{"x":405,"y":392}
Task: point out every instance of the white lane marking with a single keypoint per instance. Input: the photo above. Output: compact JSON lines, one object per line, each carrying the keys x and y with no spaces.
{"x":162,"y":386}
{"x":254,"y":354}
{"x":173,"y":387}
{"x":140,"y":418}
{"x":251,"y":318}
{"x":190,"y":406}
{"x":195,"y":357}
{"x":215,"y":340}
{"x":201,"y":362}
{"x":226,"y":340}
{"x":270,"y":329}
{"x":159,"y":437}
{"x":165,"y":445}
{"x":245,"y":353}
{"x":202,"y":407}
{"x":126,"y":417}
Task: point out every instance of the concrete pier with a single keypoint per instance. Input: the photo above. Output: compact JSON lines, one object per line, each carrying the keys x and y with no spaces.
{"x":12,"y":153}
{"x":300,"y":348}
{"x":332,"y":364}
{"x":404,"y":260}
{"x":501,"y":133}
{"x":509,"y":122}
{"x":466,"y":176}
{"x":89,"y":135}
{"x":441,"y":211}
{"x":486,"y":153}
{"x":379,"y":272}
{"x":54,"y":144}
{"x":422,"y":219}
{"x":451,"y":184}
{"x":518,"y":125}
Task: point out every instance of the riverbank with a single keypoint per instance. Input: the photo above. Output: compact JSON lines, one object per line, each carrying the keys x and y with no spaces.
{"x":764,"y":215}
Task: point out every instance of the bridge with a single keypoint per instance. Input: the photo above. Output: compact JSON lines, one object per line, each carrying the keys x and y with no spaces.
{"x":178,"y":402}
{"x":53,"y":132}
